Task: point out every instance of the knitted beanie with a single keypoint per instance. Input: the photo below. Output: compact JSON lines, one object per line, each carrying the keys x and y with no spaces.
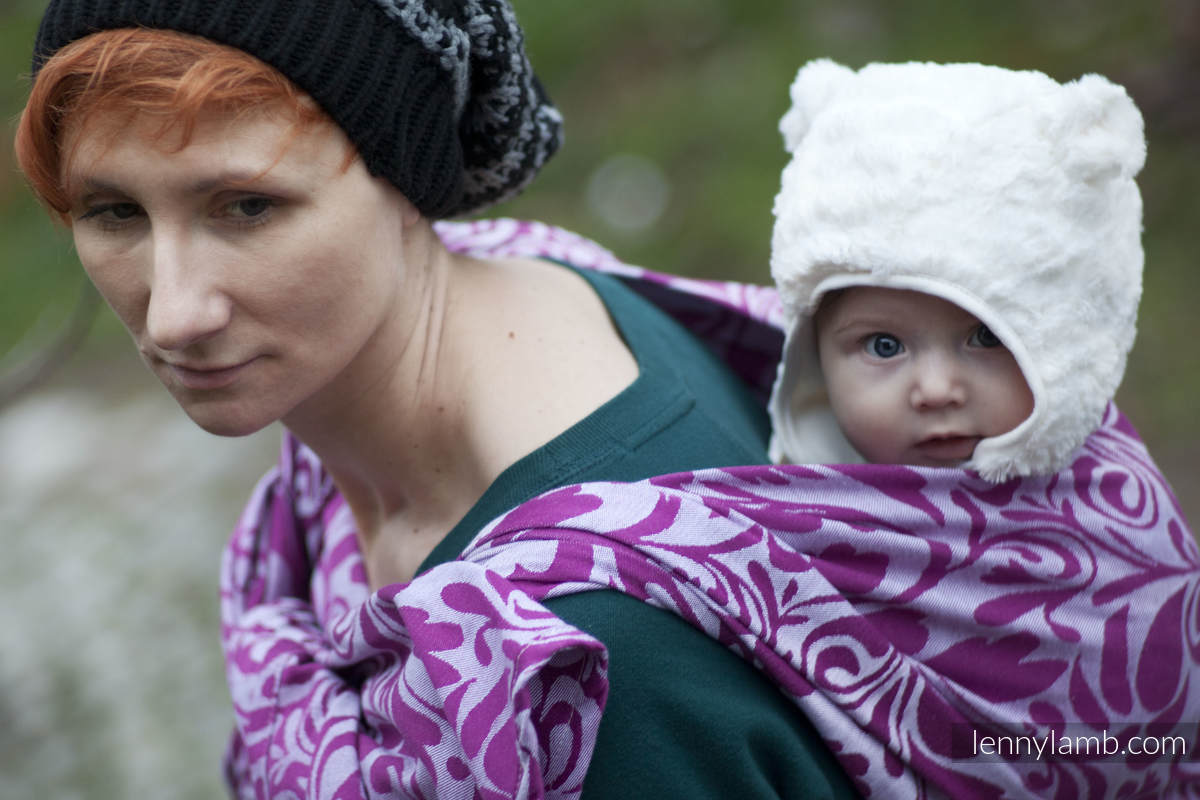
{"x":1003,"y":192}
{"x":437,"y":95}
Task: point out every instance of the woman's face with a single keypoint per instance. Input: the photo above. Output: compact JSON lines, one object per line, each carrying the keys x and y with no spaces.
{"x":251,"y":267}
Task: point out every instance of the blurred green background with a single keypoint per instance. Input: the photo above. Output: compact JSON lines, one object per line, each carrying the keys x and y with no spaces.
{"x":672,"y":160}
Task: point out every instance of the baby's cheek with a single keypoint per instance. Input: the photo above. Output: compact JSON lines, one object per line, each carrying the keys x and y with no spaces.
{"x":872,"y":428}
{"x":859,"y":426}
{"x":1011,"y":401}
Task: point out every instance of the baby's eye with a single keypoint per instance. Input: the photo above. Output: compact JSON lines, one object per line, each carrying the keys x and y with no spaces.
{"x":883,"y":345}
{"x":983,"y":337}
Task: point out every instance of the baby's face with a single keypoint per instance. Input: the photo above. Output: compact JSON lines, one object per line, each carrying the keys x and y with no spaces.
{"x":914,"y":379}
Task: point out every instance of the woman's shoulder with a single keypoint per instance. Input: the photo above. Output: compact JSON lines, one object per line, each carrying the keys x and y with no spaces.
{"x":512,"y":238}
{"x":741,"y":323}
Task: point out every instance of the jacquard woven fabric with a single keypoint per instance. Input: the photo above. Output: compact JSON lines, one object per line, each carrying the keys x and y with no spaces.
{"x":909,"y":612}
{"x":437,"y":96}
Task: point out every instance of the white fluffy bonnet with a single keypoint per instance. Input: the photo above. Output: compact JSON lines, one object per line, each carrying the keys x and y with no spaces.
{"x":1004,"y":192}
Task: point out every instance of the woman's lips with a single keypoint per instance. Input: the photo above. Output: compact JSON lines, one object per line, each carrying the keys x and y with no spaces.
{"x":948,"y":448}
{"x":199,"y":378}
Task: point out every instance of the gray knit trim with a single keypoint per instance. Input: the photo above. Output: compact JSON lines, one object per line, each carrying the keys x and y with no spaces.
{"x":515,"y":108}
{"x":512,"y":128}
{"x":439,"y":37}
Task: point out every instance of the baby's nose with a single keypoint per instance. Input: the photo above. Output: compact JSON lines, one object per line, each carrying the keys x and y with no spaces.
{"x":937,"y":382}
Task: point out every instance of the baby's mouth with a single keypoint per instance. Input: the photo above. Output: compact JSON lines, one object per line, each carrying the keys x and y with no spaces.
{"x":948,"y":448}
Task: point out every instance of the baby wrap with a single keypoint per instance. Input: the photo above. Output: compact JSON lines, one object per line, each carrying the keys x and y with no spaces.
{"x":910,"y":612}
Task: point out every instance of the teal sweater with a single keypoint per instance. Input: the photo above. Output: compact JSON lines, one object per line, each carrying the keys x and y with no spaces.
{"x":685,"y":718}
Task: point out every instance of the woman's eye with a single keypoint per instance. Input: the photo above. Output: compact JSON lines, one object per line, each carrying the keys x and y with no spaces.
{"x":112,"y":213}
{"x":983,"y":337}
{"x":249,"y":208}
{"x":883,"y":345}
{"x":246,"y":211}
{"x":123,"y":211}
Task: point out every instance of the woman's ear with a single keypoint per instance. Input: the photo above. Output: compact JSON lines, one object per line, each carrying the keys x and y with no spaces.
{"x":409,"y":215}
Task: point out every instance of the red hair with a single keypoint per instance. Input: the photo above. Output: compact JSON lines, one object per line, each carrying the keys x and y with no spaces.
{"x":160,"y":73}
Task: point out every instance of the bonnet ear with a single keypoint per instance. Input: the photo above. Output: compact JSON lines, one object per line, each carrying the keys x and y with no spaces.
{"x":1098,"y":130}
{"x":816,"y":84}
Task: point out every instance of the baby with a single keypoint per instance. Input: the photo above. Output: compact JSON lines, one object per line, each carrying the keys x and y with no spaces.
{"x":958,"y":252}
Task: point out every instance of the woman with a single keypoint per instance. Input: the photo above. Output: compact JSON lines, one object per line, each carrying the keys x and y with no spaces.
{"x":251,"y":187}
{"x":438,"y":380}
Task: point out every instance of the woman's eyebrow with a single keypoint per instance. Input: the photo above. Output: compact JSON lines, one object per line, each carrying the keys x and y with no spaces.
{"x":231,"y":177}
{"x":92,"y":184}
{"x":88,"y":186}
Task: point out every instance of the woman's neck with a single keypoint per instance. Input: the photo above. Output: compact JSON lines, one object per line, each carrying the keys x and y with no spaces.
{"x":486,"y":362}
{"x":390,"y":428}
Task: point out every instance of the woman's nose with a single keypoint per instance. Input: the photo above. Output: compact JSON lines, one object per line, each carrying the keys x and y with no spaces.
{"x":937,"y":382}
{"x":185,"y":305}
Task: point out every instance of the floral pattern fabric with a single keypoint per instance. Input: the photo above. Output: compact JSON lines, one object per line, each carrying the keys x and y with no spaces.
{"x":911,"y":613}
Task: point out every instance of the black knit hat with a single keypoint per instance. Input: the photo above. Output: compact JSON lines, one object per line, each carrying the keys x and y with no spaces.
{"x":437,"y":95}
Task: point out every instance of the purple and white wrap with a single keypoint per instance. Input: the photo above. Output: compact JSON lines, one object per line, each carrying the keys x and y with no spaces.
{"x":909,"y":612}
